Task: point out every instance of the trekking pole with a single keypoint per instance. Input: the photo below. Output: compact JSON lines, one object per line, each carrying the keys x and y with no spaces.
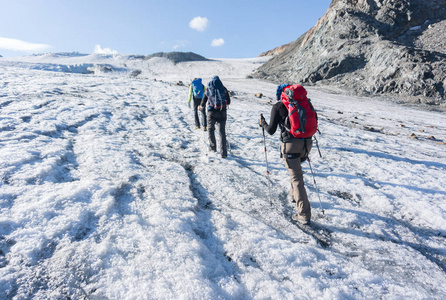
{"x":315,"y":185}
{"x":267,"y":169}
{"x":317,"y":145}
{"x":204,"y":135}
{"x":227,"y":140}
{"x":264,"y":148}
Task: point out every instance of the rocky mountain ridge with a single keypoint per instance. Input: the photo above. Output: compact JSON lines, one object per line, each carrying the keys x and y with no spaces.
{"x":371,"y":47}
{"x":177,"y":57}
{"x":275,"y":51}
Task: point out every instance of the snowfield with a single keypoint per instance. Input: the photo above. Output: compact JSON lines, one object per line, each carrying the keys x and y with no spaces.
{"x":108,"y":192}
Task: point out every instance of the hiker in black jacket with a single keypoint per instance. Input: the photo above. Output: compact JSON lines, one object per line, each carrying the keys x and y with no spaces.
{"x":293,"y":151}
{"x":217,"y":99}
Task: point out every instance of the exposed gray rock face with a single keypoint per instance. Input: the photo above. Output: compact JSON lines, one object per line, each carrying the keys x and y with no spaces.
{"x":371,"y":47}
{"x":433,"y":38}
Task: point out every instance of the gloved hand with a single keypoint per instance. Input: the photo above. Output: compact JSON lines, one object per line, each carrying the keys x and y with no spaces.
{"x":262,"y":121}
{"x":188,"y":104}
{"x":200,"y":107}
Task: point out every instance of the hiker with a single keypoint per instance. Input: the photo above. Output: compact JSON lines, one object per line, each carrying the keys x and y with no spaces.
{"x":217,"y":98}
{"x":296,"y":143}
{"x":196,"y":92}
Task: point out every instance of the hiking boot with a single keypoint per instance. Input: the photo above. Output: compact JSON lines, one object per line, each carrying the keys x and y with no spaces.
{"x":197,"y":127}
{"x":204,"y":128}
{"x":300,"y":219}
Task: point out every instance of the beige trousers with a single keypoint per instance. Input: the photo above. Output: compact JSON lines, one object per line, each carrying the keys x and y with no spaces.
{"x":293,"y":165}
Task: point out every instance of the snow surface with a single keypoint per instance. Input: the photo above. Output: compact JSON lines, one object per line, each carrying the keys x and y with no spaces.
{"x":107,"y":191}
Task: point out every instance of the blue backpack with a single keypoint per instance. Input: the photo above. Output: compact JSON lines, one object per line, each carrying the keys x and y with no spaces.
{"x":216,"y":93}
{"x":198,"y":88}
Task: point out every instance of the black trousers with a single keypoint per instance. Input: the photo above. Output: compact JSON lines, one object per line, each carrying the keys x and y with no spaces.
{"x":197,"y":102}
{"x":217,"y":117}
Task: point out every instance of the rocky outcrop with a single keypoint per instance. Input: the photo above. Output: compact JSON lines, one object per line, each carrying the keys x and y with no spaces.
{"x":275,"y":51}
{"x":177,"y":57}
{"x":371,"y":47}
{"x":432,"y":38}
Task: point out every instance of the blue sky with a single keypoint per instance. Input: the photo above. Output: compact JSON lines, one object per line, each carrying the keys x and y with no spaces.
{"x":221,"y":29}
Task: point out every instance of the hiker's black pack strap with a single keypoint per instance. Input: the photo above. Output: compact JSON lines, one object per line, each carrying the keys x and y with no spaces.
{"x":291,"y":155}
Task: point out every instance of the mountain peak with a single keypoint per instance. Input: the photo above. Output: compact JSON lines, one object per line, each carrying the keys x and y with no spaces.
{"x":371,"y":47}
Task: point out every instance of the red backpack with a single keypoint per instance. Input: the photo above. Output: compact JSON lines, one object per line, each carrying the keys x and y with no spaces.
{"x":302,"y":118}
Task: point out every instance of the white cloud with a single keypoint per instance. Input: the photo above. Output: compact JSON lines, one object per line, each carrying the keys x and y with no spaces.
{"x":18,"y":45}
{"x":180,"y":44}
{"x":99,"y":50}
{"x":198,"y":23}
{"x":217,"y":42}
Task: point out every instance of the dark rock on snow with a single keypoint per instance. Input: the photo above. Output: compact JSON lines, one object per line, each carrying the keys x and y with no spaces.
{"x":177,"y":57}
{"x":370,"y":47}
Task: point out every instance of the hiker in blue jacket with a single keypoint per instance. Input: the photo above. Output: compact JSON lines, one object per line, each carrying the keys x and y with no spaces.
{"x":196,"y":92}
{"x":217,"y":98}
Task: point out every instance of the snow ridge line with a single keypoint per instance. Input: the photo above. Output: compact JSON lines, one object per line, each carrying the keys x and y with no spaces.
{"x":206,"y":206}
{"x":205,"y":230}
{"x":286,"y":231}
{"x":323,"y":239}
{"x":262,"y":214}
